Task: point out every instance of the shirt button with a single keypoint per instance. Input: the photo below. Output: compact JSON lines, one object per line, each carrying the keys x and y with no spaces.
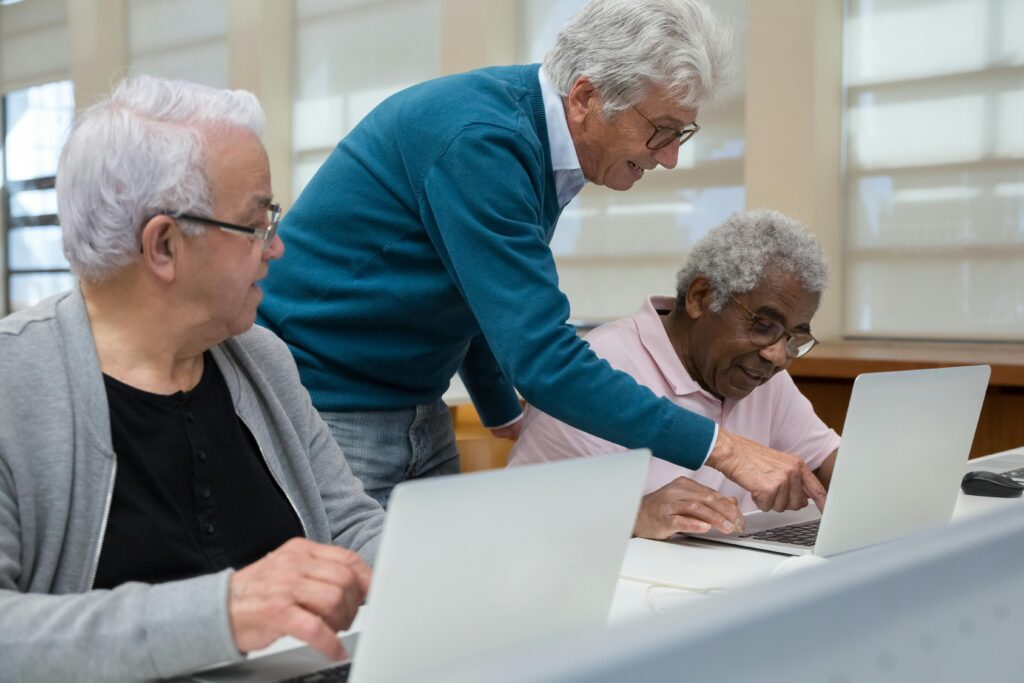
{"x":201,"y":455}
{"x":209,"y":528}
{"x":206,"y":492}
{"x":190,"y":416}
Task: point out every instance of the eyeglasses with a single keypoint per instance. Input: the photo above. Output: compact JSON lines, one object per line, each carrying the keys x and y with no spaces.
{"x":266,"y":234}
{"x":663,"y":136}
{"x":765,"y":332}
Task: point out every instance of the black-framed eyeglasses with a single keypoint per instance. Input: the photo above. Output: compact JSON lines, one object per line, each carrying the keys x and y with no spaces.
{"x":266,"y":234}
{"x":764,"y":332}
{"x":663,"y":136}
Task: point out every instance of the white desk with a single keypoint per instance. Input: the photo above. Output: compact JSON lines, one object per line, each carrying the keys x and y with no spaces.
{"x":691,"y":563}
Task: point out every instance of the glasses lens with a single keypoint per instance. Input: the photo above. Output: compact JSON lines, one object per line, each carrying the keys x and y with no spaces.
{"x":800,"y":345}
{"x":663,"y":137}
{"x":765,"y":332}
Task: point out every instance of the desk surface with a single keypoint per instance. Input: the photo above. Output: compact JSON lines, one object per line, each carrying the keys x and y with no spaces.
{"x":659,"y":575}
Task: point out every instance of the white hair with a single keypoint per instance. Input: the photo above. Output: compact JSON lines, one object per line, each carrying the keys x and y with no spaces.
{"x":734,"y":256}
{"x":134,"y":154}
{"x":626,"y":46}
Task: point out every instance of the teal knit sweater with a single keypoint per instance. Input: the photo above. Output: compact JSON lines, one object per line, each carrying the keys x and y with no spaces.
{"x":420,"y":248}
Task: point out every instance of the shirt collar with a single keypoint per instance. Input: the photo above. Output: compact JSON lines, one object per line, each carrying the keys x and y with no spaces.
{"x":563,"y":151}
{"x":655,"y":339}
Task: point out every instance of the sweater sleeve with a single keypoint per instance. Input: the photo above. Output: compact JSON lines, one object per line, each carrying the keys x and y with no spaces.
{"x":481,"y":205}
{"x":133,"y":632}
{"x":493,"y":395}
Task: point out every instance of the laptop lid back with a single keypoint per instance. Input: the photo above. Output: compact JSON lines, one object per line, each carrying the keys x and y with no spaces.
{"x":484,"y":562}
{"x":906,"y":438}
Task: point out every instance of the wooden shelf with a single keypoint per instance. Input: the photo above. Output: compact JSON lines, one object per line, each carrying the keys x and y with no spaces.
{"x":847,"y":359}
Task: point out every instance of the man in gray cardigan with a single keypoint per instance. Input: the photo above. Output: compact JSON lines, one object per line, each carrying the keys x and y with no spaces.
{"x":169,"y":498}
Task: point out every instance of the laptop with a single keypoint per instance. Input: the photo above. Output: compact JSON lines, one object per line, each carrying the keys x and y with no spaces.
{"x":905,"y":443}
{"x":476,"y":564}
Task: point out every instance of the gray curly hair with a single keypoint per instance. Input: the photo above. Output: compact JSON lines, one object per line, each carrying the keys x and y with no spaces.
{"x":625,"y":46}
{"x":734,"y":255}
{"x":135,"y":153}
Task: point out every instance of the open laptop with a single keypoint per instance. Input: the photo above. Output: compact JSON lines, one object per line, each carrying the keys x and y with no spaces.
{"x":905,"y":442}
{"x":475,"y":564}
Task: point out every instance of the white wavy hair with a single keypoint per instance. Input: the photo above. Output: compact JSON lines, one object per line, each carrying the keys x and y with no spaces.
{"x":138,"y":152}
{"x":734,"y":256}
{"x":626,"y":46}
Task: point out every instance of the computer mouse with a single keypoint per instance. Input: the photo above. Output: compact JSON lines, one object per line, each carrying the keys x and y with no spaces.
{"x":990,"y":484}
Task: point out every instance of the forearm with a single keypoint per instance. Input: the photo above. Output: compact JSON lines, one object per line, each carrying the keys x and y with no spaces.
{"x":133,"y":632}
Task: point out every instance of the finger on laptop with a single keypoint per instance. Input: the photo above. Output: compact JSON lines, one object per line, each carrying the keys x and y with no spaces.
{"x":814,"y":488}
{"x":344,"y":557}
{"x":335,"y":603}
{"x":312,"y":630}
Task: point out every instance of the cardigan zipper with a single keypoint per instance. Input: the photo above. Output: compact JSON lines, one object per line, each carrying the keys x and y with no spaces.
{"x":287,"y":497}
{"x":103,"y":528}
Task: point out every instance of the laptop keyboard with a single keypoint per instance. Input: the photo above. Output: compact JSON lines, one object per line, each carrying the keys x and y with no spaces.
{"x":1015,"y":474}
{"x":334,"y":674}
{"x":804,"y":533}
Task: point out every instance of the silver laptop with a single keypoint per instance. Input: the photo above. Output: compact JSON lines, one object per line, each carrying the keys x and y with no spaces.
{"x":476,"y":564}
{"x":905,"y":443}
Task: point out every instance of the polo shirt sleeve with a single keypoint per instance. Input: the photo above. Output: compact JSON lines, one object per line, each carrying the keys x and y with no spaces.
{"x":481,"y":205}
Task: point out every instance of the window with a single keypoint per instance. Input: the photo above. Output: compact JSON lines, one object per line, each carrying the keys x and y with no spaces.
{"x":350,"y":55}
{"x":36,"y":123}
{"x":934,"y":169}
{"x":183,"y":39}
{"x":615,"y":248}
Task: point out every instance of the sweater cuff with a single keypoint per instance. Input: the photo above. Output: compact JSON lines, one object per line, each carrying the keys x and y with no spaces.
{"x":188,"y":626}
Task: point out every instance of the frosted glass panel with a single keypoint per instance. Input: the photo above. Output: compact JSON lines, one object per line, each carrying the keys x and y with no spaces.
{"x":906,"y":39}
{"x":935,"y":176}
{"x":207,"y":64}
{"x":614,"y":248}
{"x":971,"y":298}
{"x":931,"y":210}
{"x":183,"y":39}
{"x":36,"y":248}
{"x":349,"y":56}
{"x":34,"y":44}
{"x":156,"y":25}
{"x":27,"y":290}
{"x":38,"y":120}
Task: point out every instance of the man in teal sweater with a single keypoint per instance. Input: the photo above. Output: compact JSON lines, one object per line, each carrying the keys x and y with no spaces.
{"x":420,"y":248}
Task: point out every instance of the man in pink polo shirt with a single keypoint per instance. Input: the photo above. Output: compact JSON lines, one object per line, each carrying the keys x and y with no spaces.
{"x":742,"y":313}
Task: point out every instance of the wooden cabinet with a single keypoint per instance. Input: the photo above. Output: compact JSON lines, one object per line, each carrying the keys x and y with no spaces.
{"x":825,"y":376}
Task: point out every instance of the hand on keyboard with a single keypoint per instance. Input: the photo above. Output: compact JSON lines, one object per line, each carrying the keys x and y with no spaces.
{"x":306,"y":590}
{"x":777,"y":481}
{"x":684,"y":506}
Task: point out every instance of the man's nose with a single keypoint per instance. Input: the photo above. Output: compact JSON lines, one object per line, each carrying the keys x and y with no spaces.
{"x":668,"y":156}
{"x":776,"y":353}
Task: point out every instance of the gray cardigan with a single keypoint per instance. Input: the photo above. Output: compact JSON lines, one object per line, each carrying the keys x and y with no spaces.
{"x":57,"y":470}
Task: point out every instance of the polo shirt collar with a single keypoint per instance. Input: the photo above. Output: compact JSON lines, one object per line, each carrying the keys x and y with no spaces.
{"x":655,"y":339}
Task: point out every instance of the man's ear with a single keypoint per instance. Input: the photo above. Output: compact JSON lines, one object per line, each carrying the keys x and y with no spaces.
{"x":581,"y":100}
{"x":698,"y":297}
{"x":161,"y":241}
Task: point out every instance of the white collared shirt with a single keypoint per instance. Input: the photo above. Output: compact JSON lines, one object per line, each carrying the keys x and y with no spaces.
{"x":569,"y":178}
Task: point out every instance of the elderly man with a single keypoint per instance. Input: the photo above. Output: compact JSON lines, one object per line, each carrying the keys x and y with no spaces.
{"x":420,"y":248}
{"x":741,"y":314}
{"x":151,"y":443}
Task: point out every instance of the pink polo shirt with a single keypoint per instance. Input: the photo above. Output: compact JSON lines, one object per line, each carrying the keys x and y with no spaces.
{"x":775,"y":414}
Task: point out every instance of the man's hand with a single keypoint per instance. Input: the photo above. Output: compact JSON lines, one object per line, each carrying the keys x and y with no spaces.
{"x":306,"y":590}
{"x":685,"y":506}
{"x":776,"y":480}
